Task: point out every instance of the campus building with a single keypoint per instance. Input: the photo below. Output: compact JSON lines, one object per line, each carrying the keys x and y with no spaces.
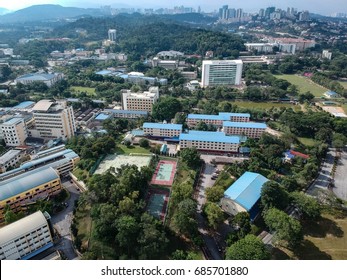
{"x":10,"y":159}
{"x":54,"y":119}
{"x":25,"y":238}
{"x":126,"y":114}
{"x":249,"y":129}
{"x":61,"y":159}
{"x":112,"y":35}
{"x":209,"y":141}
{"x":22,"y":190}
{"x":221,"y":72}
{"x":244,"y":194}
{"x":140,"y":101}
{"x":14,"y":132}
{"x":162,"y":129}
{"x":216,"y":120}
{"x":48,"y":79}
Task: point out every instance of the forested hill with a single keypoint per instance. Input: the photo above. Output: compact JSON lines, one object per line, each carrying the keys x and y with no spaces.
{"x":147,"y":35}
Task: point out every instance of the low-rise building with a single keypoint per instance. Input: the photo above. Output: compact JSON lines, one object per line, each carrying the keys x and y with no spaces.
{"x":249,"y":129}
{"x":14,"y":132}
{"x":140,"y":101}
{"x":162,"y":129}
{"x":331,"y":94}
{"x":26,"y":237}
{"x":209,"y":141}
{"x":243,"y":195}
{"x":48,"y":79}
{"x":10,"y":159}
{"x":126,"y":114}
{"x":24,"y":189}
{"x":216,"y":120}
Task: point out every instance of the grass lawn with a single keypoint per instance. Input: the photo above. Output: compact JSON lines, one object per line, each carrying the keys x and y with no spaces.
{"x":81,"y":174}
{"x":304,"y":84}
{"x":344,"y":106}
{"x":88,"y":90}
{"x":224,"y":180}
{"x":344,"y":84}
{"x":84,"y":225}
{"x":307,"y":141}
{"x":264,"y":105}
{"x":122,"y":149}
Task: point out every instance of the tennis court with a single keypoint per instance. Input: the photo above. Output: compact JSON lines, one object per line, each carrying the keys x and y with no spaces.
{"x":165,"y":172}
{"x":157,"y":203}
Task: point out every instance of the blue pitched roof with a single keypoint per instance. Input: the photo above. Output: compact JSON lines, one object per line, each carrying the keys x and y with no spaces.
{"x":102,"y":117}
{"x":245,"y":124}
{"x":24,"y":105}
{"x":26,"y":181}
{"x":228,"y":115}
{"x":246,"y":190}
{"x":208,"y":136}
{"x":162,"y":126}
{"x":223,"y":116}
{"x":130,"y":112}
{"x":13,"y":121}
{"x":331,"y":93}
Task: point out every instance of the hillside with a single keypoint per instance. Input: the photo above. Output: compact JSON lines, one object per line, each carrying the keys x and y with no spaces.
{"x":46,"y":12}
{"x":3,"y":11}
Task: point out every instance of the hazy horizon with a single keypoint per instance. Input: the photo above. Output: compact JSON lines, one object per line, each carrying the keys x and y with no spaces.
{"x":318,"y":6}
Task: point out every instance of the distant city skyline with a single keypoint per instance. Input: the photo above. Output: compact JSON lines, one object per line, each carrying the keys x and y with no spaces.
{"x":315,"y":6}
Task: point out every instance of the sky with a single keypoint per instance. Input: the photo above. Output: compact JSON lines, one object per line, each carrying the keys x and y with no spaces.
{"x":317,"y":6}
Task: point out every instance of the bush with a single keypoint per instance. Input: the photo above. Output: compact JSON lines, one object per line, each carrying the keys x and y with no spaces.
{"x":144,"y":143}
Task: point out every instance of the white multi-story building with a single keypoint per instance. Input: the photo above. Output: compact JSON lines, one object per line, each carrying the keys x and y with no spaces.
{"x":54,"y":119}
{"x":140,"y":101}
{"x":26,"y":237}
{"x":216,"y":120}
{"x":14,"y":132}
{"x":210,"y":141}
{"x":249,"y":129}
{"x":221,"y":72}
{"x":10,"y":159}
{"x":162,"y":129}
{"x":112,"y":35}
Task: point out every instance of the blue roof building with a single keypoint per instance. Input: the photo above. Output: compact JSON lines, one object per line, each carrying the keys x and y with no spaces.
{"x":162,"y":130}
{"x":168,"y":126}
{"x":245,"y":125}
{"x":217,"y":120}
{"x":24,"y":105}
{"x":331,"y":94}
{"x":244,"y":194}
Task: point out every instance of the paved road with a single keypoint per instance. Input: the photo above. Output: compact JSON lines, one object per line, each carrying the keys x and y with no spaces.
{"x":206,"y":182}
{"x":340,"y":184}
{"x":323,"y":180}
{"x":62,"y":223}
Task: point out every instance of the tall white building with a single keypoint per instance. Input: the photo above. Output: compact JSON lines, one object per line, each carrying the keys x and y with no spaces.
{"x":54,"y":119}
{"x":26,"y":237}
{"x":140,"y":101}
{"x":221,"y":72}
{"x":14,"y":132}
{"x":112,"y":35}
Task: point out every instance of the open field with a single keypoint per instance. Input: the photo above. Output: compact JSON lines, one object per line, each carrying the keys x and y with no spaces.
{"x":344,"y":84}
{"x":117,"y":161}
{"x":88,"y":90}
{"x":344,"y":106}
{"x":264,"y":105}
{"x":307,"y":141}
{"x":304,"y":84}
{"x":122,"y":149}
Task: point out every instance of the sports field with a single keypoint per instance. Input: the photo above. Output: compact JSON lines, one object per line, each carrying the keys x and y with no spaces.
{"x":117,"y":161}
{"x":344,"y":84}
{"x":165,"y":172}
{"x":265,"y":105}
{"x":90,"y":91}
{"x":304,"y":84}
{"x":157,"y":201}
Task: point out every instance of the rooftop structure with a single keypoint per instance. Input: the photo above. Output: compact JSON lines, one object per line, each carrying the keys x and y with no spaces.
{"x":140,"y":101}
{"x":243,"y":194}
{"x":162,"y":130}
{"x":10,"y":159}
{"x":249,"y":129}
{"x":48,"y":79}
{"x":217,"y":120}
{"x":14,"y":132}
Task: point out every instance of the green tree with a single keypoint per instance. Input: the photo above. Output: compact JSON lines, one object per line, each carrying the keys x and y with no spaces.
{"x":242,"y":223}
{"x":286,"y":228}
{"x":214,"y":214}
{"x":144,"y":143}
{"x":308,"y":206}
{"x":184,"y":216}
{"x":166,"y":108}
{"x":214,"y":194}
{"x":273,"y":195}
{"x":248,"y":248}
{"x":128,"y":230}
{"x":191,"y":157}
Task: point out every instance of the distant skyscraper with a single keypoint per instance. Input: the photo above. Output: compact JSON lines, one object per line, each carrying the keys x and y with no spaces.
{"x":239,"y":13}
{"x":112,"y":35}
{"x":199,"y":9}
{"x":232,"y":13}
{"x":261,"y":12}
{"x":269,"y":11}
{"x":304,"y":16}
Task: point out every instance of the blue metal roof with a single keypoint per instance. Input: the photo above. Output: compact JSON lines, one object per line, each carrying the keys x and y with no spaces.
{"x":163,"y":126}
{"x":26,"y":181}
{"x":205,"y":117}
{"x":13,"y":121}
{"x":208,"y":136}
{"x":104,"y":72}
{"x":37,"y":77}
{"x":228,"y":115}
{"x":102,"y":117}
{"x":24,"y":104}
{"x":246,"y":190}
{"x":137,"y":132}
{"x":245,"y":124}
{"x":331,"y":93}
